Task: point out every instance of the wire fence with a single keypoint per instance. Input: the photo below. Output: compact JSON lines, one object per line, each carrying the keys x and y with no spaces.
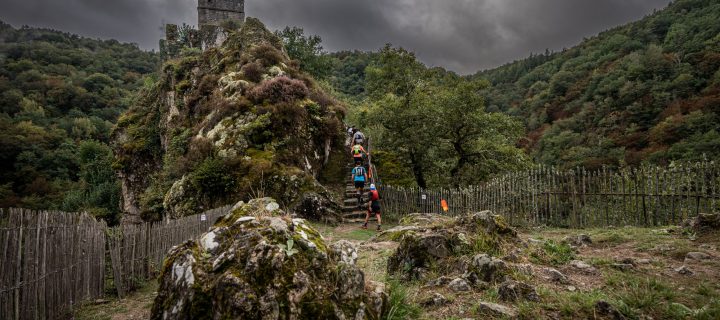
{"x":644,"y":196}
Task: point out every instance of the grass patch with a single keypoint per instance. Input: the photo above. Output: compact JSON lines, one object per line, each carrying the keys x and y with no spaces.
{"x":400,"y":306}
{"x":136,"y":304}
{"x":359,"y":235}
{"x":485,"y":243}
{"x":553,"y":253}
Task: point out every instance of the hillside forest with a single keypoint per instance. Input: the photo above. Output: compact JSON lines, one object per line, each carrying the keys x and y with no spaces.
{"x":60,"y":96}
{"x":646,"y":92}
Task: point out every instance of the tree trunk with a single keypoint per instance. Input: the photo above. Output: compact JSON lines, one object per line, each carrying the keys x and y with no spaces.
{"x":462,"y":161}
{"x":418,"y":170}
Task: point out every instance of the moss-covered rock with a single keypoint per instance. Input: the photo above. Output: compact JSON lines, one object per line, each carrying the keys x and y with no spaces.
{"x":431,"y":243}
{"x":227,"y":124}
{"x":258,"y":263}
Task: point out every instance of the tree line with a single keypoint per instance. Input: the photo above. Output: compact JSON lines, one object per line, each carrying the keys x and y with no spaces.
{"x":60,"y":95}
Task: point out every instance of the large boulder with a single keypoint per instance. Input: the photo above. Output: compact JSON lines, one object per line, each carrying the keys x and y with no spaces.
{"x":489,"y":223}
{"x":233,"y":122}
{"x":429,"y":242}
{"x":257,"y":263}
{"x":318,"y":206}
{"x":418,"y":252}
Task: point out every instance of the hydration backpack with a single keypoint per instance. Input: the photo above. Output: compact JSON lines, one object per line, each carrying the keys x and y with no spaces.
{"x":356,"y":150}
{"x":375,"y":196}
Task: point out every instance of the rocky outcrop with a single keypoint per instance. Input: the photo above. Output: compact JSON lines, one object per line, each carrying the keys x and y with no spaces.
{"x":257,"y":263}
{"x":231,"y":123}
{"x":444,"y":244}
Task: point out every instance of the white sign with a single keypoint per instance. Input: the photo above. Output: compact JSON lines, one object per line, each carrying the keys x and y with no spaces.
{"x":203,"y":217}
{"x":424,"y":197}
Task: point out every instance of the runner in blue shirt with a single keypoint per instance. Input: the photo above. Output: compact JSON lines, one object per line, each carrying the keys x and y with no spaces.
{"x":359,"y":177}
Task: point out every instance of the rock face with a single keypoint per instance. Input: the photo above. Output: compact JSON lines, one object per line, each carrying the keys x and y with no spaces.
{"x":256,"y":263}
{"x":230,"y":123}
{"x":445,"y":244}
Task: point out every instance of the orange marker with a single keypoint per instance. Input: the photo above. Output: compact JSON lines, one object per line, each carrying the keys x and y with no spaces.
{"x":444,"y":205}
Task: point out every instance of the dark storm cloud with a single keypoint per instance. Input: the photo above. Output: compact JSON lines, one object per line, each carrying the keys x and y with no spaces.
{"x":462,"y":35}
{"x":137,"y":21}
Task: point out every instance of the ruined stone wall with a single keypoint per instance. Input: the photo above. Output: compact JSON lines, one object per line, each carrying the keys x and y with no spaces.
{"x":214,"y":12}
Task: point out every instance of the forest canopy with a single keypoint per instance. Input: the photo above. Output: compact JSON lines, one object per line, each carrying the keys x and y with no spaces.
{"x":60,"y":95}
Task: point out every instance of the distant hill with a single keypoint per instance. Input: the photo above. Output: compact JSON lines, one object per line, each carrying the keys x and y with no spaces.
{"x":648,"y":91}
{"x":60,"y":95}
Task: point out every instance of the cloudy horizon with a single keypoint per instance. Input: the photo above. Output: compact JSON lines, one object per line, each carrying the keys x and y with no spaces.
{"x":463,"y":35}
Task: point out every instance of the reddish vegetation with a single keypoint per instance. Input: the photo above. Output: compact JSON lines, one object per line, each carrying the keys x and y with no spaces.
{"x":280,"y":89}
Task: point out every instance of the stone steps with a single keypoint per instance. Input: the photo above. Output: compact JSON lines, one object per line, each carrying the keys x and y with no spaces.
{"x":352,"y":212}
{"x":355,"y":215}
{"x":359,"y":222}
{"x":348,"y":209}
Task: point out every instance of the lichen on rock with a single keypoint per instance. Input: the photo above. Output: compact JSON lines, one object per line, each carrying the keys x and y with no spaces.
{"x":230,"y":123}
{"x":258,"y":263}
{"x":430,"y":243}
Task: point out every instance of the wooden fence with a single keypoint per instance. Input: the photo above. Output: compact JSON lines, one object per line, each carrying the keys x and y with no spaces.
{"x":645,"y":196}
{"x":50,"y":261}
{"x":137,"y":251}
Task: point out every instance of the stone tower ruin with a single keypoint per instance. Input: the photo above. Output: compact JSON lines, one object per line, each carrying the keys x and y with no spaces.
{"x":215,"y":12}
{"x":215,"y":18}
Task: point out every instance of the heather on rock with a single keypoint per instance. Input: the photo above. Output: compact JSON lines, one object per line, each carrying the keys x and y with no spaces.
{"x":227,"y":124}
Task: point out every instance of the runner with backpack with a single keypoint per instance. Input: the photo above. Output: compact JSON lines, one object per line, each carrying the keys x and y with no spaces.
{"x":359,"y":137}
{"x":373,"y":207}
{"x":358,"y":153}
{"x":359,"y":177}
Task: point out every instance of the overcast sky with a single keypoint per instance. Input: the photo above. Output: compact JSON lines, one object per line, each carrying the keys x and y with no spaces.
{"x":461,"y":35}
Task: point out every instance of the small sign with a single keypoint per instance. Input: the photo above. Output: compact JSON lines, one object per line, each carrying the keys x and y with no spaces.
{"x":424,"y":197}
{"x":203,"y":217}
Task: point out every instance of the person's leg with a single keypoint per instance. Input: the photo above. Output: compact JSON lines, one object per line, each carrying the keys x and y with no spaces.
{"x":360,"y":188}
{"x":379,"y":220}
{"x":367,"y":218}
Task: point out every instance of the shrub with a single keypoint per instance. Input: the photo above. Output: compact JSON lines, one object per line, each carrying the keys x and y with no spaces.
{"x":199,"y":149}
{"x":268,"y":55}
{"x":212,"y":177}
{"x":280,"y":89}
{"x":252,"y":71}
{"x":322,"y":98}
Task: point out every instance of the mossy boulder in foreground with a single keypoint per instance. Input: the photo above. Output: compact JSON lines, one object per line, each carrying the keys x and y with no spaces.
{"x":258,"y":263}
{"x":434,"y":244}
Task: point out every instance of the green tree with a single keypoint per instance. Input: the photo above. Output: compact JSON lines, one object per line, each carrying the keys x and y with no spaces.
{"x":402,"y":109}
{"x":480,"y":143}
{"x":307,"y":50}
